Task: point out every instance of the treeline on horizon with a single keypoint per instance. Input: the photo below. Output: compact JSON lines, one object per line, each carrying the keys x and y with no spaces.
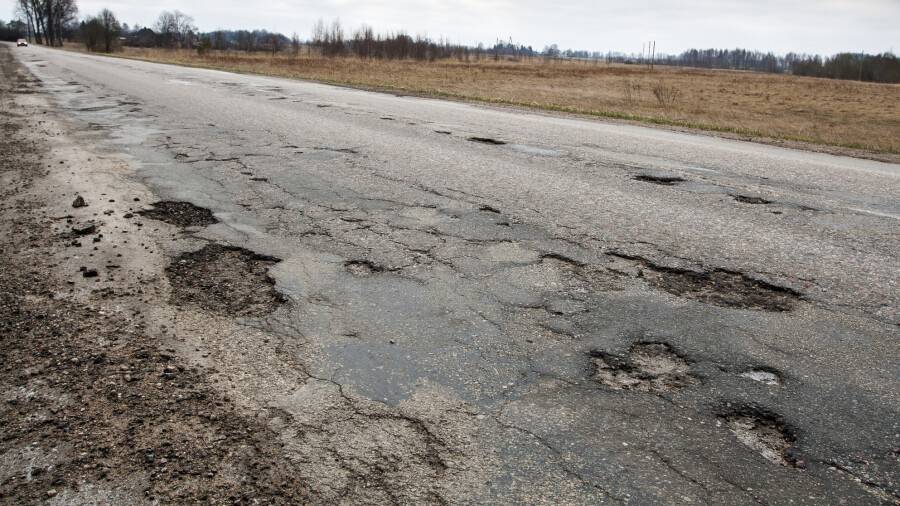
{"x":176,"y":30}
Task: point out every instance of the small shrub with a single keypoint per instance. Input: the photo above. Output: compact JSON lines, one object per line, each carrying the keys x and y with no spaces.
{"x":665,"y":95}
{"x":632,"y":92}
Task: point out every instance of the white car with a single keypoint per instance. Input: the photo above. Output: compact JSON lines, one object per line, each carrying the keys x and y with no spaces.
{"x":21,"y":43}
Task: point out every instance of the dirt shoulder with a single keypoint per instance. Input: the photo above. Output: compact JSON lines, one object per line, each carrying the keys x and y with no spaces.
{"x":96,"y":406}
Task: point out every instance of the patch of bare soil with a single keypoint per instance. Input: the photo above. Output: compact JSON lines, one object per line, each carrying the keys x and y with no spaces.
{"x":181,"y":214}
{"x":225,"y":280}
{"x":648,"y":367}
{"x":765,"y":433}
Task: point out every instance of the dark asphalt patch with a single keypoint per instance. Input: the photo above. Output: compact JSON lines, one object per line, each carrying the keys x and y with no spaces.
{"x":226,"y":280}
{"x":745,"y":199}
{"x":766,"y":433}
{"x":488,"y":140}
{"x":648,"y":367}
{"x":660,"y":180}
{"x":181,"y":214}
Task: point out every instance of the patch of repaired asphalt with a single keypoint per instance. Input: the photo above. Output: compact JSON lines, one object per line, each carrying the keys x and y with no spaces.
{"x":225,"y":280}
{"x":648,"y":367}
{"x":181,"y":214}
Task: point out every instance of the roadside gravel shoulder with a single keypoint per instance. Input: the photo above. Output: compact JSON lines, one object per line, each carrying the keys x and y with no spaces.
{"x":95,"y":408}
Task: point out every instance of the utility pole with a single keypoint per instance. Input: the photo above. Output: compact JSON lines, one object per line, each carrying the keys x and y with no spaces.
{"x":861,"y":58}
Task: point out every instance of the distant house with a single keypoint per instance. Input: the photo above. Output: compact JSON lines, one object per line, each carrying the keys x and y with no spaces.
{"x":144,"y":37}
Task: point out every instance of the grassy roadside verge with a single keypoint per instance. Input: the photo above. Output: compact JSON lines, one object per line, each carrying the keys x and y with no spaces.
{"x":847,"y":118}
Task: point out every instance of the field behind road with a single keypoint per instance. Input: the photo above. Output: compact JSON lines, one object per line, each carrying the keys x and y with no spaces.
{"x":843,"y":114}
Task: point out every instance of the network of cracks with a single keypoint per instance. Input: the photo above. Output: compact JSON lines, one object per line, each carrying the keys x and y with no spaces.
{"x":234,"y":281}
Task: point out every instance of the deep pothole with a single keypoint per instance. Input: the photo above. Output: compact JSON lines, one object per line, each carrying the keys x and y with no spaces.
{"x":660,"y":180}
{"x":488,"y":140}
{"x":181,"y":214}
{"x":225,"y":280}
{"x":765,"y":433}
{"x":722,"y":288}
{"x":747,"y":199}
{"x":648,"y":367}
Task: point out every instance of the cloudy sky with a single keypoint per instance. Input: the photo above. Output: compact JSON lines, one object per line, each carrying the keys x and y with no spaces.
{"x":813,"y":26}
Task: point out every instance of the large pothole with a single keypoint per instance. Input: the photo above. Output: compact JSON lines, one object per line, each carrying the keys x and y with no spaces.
{"x":226,"y":280}
{"x":181,"y":214}
{"x":766,"y":434}
{"x":722,"y":288}
{"x":648,"y":367}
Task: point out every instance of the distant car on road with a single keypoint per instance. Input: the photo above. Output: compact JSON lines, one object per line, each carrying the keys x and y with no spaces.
{"x":21,"y":43}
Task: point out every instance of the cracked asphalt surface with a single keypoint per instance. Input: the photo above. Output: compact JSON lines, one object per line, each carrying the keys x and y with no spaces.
{"x":435,"y":302}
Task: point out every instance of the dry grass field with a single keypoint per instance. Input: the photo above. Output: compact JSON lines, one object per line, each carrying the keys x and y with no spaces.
{"x":827,"y":112}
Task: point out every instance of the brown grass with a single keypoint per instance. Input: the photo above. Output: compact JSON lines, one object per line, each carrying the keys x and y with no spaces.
{"x":837,"y":113}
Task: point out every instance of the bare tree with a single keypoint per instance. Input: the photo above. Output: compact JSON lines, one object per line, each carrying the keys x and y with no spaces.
{"x":176,"y":29}
{"x":47,"y":19}
{"x":295,"y":44}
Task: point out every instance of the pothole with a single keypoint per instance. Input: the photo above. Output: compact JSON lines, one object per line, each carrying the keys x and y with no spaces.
{"x":487,"y":140}
{"x":765,"y":433}
{"x":226,"y":280}
{"x":181,"y":214}
{"x":722,"y":288}
{"x":362,"y":268}
{"x":660,"y":180}
{"x":746,"y":199}
{"x":763,"y":375}
{"x":648,"y":367}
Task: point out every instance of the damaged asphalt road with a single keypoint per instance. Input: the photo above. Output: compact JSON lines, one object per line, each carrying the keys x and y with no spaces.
{"x":463,"y":305}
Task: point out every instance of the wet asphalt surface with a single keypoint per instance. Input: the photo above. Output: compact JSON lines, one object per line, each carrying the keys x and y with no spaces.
{"x":627,"y":314}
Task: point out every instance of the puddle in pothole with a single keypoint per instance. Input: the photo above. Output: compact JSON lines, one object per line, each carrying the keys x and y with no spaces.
{"x":766,"y":434}
{"x":226,"y":280}
{"x":181,"y":214}
{"x":648,"y":367}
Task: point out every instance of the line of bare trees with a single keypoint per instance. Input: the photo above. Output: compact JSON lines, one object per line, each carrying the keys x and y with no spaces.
{"x":47,"y":20}
{"x":331,"y":40}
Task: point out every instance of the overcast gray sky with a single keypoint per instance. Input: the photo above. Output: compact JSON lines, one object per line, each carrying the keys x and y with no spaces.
{"x":813,"y":26}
